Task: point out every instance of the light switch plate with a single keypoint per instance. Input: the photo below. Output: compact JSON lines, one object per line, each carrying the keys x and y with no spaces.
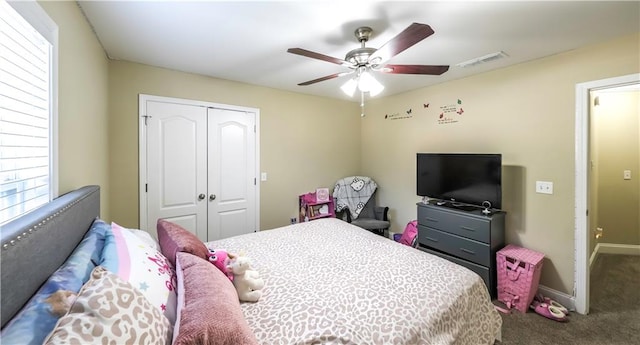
{"x":263,"y":176}
{"x":627,"y":174}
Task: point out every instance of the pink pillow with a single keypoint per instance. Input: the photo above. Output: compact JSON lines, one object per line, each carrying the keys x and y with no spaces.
{"x":208,"y":309}
{"x":173,"y":238}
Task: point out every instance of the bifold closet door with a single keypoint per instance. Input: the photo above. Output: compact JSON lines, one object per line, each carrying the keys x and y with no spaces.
{"x":201,"y":167}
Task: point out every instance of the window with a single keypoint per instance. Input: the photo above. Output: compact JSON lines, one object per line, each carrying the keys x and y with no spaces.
{"x":27,"y":108}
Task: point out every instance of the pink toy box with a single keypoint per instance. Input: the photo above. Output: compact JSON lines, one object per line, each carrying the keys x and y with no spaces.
{"x":518,"y":276}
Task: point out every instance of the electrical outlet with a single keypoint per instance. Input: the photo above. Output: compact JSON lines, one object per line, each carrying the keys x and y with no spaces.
{"x":544,"y":187}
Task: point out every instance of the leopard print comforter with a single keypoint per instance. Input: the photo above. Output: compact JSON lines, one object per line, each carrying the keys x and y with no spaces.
{"x":329,"y":282}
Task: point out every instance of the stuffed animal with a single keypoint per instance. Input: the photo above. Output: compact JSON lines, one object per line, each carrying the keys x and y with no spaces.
{"x":220,"y":258}
{"x":247,"y":281}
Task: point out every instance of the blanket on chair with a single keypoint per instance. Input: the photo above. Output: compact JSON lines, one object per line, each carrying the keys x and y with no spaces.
{"x":353,"y":192}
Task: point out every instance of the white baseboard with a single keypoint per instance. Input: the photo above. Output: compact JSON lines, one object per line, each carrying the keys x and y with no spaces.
{"x":594,"y":256}
{"x":566,"y":300}
{"x":612,"y":248}
{"x":624,"y":249}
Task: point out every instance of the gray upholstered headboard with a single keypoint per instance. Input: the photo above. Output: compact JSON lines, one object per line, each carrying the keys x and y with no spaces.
{"x":36,"y":244}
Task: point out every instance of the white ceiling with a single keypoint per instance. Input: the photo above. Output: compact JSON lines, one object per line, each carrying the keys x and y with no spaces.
{"x":248,"y":41}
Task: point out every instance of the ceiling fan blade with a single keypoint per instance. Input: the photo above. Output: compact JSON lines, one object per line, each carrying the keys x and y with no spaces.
{"x":336,"y":75}
{"x":413,"y":34}
{"x":314,"y":55}
{"x":414,"y":69}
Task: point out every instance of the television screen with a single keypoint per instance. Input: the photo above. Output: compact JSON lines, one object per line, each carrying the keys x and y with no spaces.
{"x":460,"y":177}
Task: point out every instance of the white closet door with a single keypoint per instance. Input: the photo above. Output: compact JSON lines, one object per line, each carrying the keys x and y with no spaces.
{"x":232,"y":180}
{"x":177,"y":166}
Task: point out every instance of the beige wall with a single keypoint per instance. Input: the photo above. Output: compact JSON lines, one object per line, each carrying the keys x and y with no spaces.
{"x":527,"y":113}
{"x":306,"y":142}
{"x":82,"y":103}
{"x":615,"y":123}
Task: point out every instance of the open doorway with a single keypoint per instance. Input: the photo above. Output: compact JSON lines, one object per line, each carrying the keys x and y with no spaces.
{"x":583,"y":234}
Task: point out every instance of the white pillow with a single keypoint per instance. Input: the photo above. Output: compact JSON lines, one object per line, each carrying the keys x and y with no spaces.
{"x":146,"y":238}
{"x":144,"y":267}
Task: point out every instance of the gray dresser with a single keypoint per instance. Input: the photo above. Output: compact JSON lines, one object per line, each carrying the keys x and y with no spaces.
{"x":466,"y":237}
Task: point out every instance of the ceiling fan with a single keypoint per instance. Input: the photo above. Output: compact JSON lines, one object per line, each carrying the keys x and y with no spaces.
{"x":364,"y":60}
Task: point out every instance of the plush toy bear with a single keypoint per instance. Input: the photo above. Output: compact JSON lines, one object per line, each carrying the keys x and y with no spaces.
{"x":221,"y":258}
{"x":247,"y":281}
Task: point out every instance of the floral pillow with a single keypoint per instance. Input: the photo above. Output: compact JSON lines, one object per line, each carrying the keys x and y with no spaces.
{"x":136,"y":261}
{"x":109,"y":310}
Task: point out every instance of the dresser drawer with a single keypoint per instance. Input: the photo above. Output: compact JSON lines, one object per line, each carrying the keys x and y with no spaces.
{"x":463,"y":248}
{"x":455,"y":223}
{"x":482,"y":271}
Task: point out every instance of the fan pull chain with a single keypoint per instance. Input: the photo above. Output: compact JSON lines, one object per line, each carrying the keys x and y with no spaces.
{"x":361,"y":104}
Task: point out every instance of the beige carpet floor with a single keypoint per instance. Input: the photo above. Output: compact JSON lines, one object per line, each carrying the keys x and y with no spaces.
{"x":614,"y":317}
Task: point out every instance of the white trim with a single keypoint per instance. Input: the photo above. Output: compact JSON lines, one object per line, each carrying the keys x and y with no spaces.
{"x":54,"y":177}
{"x":142,"y":162}
{"x":612,"y":248}
{"x":258,"y":179}
{"x":566,"y":300}
{"x":620,"y":249}
{"x":581,"y":270}
{"x":594,"y":256}
{"x":142,"y":144}
{"x":31,"y":11}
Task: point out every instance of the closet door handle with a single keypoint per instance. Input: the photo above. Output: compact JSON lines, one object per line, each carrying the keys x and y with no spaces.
{"x":212,"y":197}
{"x":201,"y":197}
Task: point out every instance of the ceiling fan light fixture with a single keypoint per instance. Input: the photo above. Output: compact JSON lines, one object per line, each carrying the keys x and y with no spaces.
{"x":349,"y":88}
{"x":375,"y":61}
{"x":365,"y":60}
{"x":376,"y":88}
{"x":367,"y":83}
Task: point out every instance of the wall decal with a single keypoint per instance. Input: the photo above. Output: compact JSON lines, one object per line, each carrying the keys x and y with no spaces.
{"x":450,"y":113}
{"x":398,"y":116}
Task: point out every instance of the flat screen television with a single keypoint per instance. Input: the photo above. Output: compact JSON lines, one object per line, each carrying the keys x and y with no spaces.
{"x":467,"y":178}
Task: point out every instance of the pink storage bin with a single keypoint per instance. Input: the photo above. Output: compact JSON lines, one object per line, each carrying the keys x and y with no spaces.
{"x":518,"y":276}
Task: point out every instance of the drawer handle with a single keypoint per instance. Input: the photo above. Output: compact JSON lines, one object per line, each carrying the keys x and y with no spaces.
{"x":467,"y":228}
{"x":468,"y":251}
{"x":432,"y":239}
{"x":431,"y":219}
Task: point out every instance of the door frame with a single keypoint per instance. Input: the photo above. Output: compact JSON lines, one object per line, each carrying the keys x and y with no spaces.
{"x":582,"y":233}
{"x":142,"y":149}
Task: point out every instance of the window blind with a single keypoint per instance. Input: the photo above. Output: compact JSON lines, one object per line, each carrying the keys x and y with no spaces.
{"x":25,"y":84}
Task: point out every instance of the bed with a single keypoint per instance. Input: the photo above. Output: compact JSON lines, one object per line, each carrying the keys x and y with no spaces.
{"x":326,"y":282}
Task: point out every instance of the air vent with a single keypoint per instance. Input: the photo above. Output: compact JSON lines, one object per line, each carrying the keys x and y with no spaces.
{"x":482,"y":59}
